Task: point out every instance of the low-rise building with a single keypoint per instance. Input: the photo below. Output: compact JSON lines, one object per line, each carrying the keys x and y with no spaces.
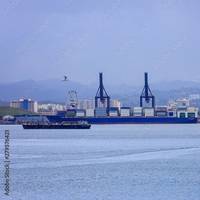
{"x":25,"y":104}
{"x":50,"y":108}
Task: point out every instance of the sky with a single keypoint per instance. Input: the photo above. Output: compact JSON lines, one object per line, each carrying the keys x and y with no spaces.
{"x":122,"y":38}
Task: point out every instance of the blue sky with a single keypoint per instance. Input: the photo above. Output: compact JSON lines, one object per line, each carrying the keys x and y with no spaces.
{"x":46,"y":39}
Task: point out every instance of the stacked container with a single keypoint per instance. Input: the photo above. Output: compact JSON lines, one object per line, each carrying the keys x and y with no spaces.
{"x":100,"y":112}
{"x":148,"y":112}
{"x":90,"y":112}
{"x":161,"y":111}
{"x":71,"y":113}
{"x":125,"y":111}
{"x":137,"y":111}
{"x":113,"y":112}
{"x":80,"y":113}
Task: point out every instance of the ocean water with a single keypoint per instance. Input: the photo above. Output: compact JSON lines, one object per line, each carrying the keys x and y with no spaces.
{"x":114,"y":162}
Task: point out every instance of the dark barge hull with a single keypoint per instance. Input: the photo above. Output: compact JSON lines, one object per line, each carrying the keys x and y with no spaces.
{"x":57,"y":126}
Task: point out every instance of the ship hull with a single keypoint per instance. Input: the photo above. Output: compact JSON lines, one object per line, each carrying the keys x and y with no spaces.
{"x":55,"y":126}
{"x":125,"y":120}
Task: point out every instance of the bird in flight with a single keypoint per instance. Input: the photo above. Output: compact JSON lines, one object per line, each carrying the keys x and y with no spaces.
{"x":65,"y":78}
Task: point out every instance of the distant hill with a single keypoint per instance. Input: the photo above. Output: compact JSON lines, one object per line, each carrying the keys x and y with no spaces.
{"x":56,"y":90}
{"x":175,"y":85}
{"x":48,"y":90}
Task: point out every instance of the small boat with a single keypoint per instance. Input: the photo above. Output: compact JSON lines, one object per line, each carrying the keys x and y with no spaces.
{"x":64,"y":125}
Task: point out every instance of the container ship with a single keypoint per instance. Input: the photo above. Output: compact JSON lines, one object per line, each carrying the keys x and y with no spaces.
{"x":146,"y":113}
{"x":143,"y":116}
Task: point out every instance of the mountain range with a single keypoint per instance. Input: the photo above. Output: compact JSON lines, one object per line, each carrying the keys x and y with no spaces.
{"x":54,"y":90}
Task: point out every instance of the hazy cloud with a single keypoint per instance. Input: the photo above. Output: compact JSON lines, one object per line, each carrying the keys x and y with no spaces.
{"x":46,"y":39}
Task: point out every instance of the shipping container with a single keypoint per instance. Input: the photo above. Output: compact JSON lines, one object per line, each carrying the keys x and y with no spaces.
{"x":126,"y":107}
{"x":100,"y":112}
{"x":161,"y":113}
{"x":137,"y":114}
{"x":148,"y":112}
{"x":113,"y":114}
{"x":90,"y":112}
{"x":137,"y":110}
{"x":114,"y":111}
{"x":161,"y":108}
{"x":71,"y":113}
{"x":125,"y":111}
{"x":80,"y":112}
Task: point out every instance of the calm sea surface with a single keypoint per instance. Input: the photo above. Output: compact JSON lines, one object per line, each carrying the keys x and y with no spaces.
{"x":114,"y":162}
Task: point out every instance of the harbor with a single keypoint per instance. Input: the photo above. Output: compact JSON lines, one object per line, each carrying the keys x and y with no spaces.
{"x":100,"y":100}
{"x":179,"y":112}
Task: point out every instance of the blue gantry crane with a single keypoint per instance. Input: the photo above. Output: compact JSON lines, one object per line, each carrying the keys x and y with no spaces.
{"x":146,"y":93}
{"x":101,"y":95}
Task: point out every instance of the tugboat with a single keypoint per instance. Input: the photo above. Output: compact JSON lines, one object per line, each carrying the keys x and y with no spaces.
{"x":63,"y":125}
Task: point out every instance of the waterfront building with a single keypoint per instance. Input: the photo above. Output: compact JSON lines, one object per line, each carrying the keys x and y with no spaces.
{"x":25,"y":104}
{"x":50,"y":108}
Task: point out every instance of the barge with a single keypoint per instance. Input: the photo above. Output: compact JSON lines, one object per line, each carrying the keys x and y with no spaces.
{"x":69,"y":125}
